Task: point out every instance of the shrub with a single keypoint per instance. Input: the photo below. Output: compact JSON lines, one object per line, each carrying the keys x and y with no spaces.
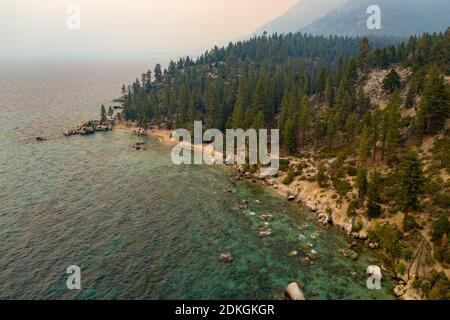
{"x":351,"y":210}
{"x":407,"y":253}
{"x":388,"y":236}
{"x":299,"y":170}
{"x":441,"y":153}
{"x":392,"y":81}
{"x":441,"y":227}
{"x":321,"y":177}
{"x":400,"y":268}
{"x":442,"y":200}
{"x":439,"y":288}
{"x":442,"y":253}
{"x":342,"y":186}
{"x":357,"y":225}
{"x":290,"y":177}
{"x":284,"y":164}
{"x":410,"y":223}
{"x":352,"y":171}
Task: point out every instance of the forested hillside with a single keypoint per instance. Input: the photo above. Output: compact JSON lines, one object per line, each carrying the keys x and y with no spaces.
{"x":364,"y":120}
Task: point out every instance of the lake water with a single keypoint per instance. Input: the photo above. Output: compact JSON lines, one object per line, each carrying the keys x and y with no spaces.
{"x":138,"y":226}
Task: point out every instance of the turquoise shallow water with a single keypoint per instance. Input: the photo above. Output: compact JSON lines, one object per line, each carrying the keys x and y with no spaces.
{"x":138,"y":226}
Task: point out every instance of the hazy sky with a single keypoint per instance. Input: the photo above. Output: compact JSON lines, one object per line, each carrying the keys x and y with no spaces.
{"x":31,"y":29}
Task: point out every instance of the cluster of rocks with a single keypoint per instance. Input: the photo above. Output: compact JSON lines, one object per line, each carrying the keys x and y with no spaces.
{"x":89,"y":127}
{"x":348,"y":253}
{"x":140,"y":132}
{"x":265,"y":230}
{"x":139,"y":146}
{"x":400,"y":290}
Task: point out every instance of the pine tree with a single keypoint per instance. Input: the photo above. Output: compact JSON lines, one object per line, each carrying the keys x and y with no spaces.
{"x":290,"y":137}
{"x":260,"y":102}
{"x":373,"y":196}
{"x":259,"y":122}
{"x":390,"y":126}
{"x":329,"y":91}
{"x":321,"y":176}
{"x":304,"y":117}
{"x":110,"y":112}
{"x":411,"y":180}
{"x":364,"y":53}
{"x":364,"y":146}
{"x":143,"y":120}
{"x":374,"y":130}
{"x":434,"y":107}
{"x":103,"y":117}
{"x":361,"y":182}
{"x":331,"y":130}
{"x":351,"y":128}
{"x":392,"y":81}
{"x":158,"y":73}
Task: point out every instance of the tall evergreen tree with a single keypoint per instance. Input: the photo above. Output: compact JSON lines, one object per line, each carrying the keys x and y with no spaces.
{"x":103,"y":117}
{"x":390,"y":126}
{"x":411,"y":181}
{"x":361,"y":182}
{"x":373,"y":196}
{"x":434,"y":107}
{"x":392,"y":81}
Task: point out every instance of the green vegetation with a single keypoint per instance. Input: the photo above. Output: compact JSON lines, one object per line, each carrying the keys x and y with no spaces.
{"x":321,"y":176}
{"x":388,"y":236}
{"x":373,"y":196}
{"x":290,"y":176}
{"x":410,"y":223}
{"x":441,"y":153}
{"x":312,"y":89}
{"x":392,"y":81}
{"x":103,"y":114}
{"x":411,"y":181}
{"x":110,"y":112}
{"x":284,"y":164}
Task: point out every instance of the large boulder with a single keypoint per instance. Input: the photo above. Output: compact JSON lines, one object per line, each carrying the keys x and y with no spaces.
{"x":363,"y":235}
{"x":293,"y":292}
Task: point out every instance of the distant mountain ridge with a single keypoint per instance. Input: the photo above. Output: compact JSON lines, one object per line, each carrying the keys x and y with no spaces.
{"x":300,"y":15}
{"x":399,"y":18}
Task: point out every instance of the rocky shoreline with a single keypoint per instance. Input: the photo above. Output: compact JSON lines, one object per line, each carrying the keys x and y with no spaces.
{"x":326,"y":209}
{"x":90,"y":127}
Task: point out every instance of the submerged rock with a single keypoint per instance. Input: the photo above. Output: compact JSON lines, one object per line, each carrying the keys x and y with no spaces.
{"x":293,"y":253}
{"x":266,"y":217}
{"x":264,"y":234}
{"x":139,"y":146}
{"x":226,"y":257}
{"x":349,"y":254}
{"x":40,"y":139}
{"x":313,"y":255}
{"x":305,"y":261}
